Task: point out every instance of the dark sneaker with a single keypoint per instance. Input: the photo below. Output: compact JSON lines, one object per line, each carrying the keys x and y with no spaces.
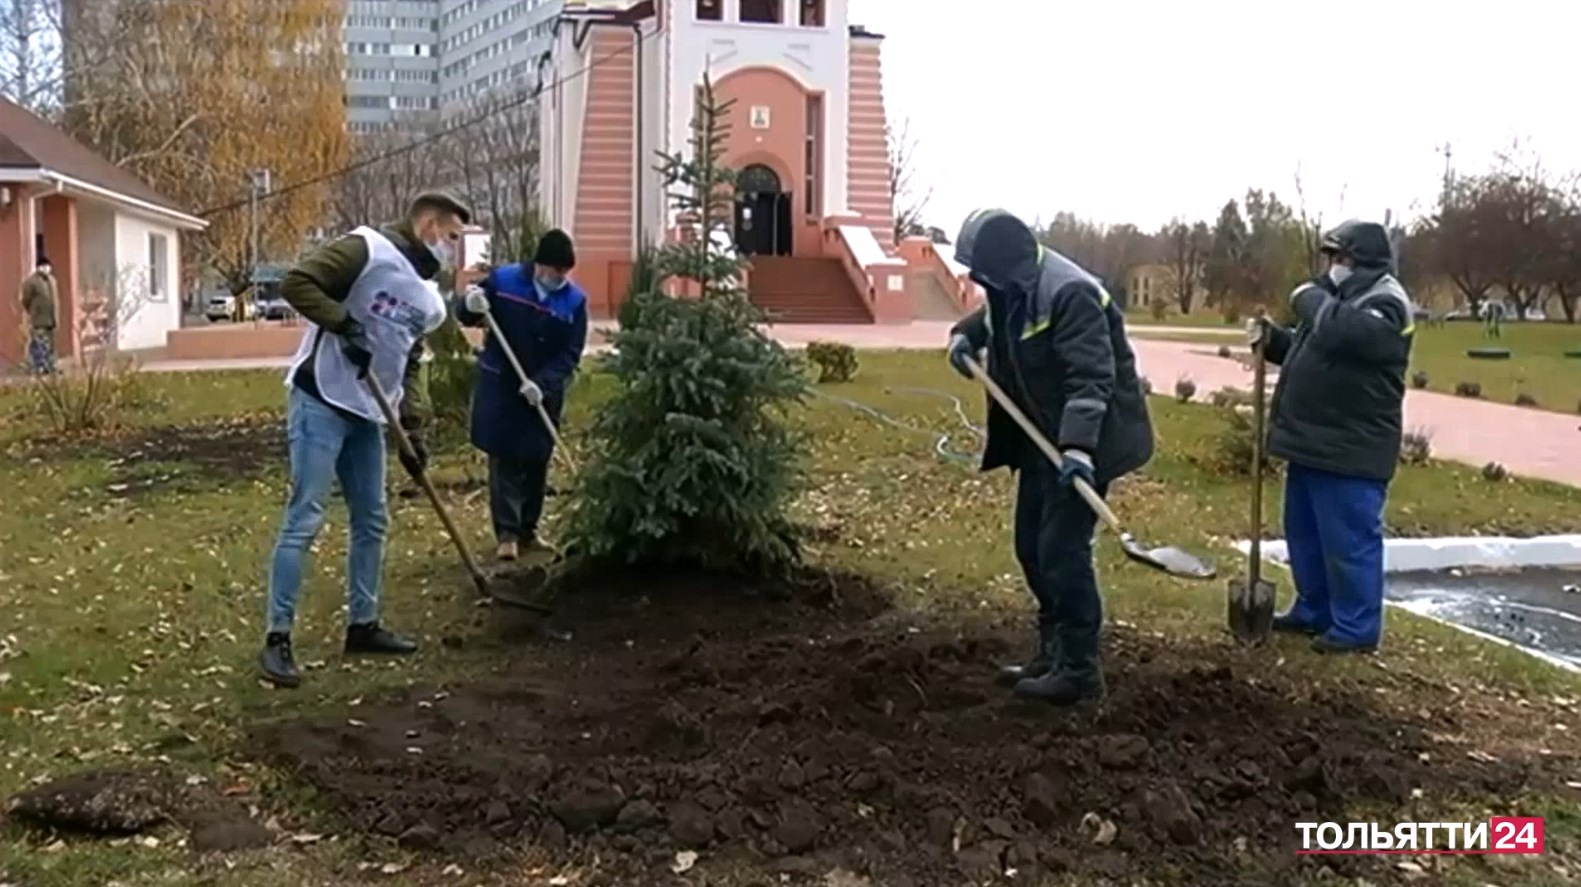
{"x":1331,"y":645}
{"x":1064,"y":687}
{"x":373,"y":639}
{"x":277,"y":663}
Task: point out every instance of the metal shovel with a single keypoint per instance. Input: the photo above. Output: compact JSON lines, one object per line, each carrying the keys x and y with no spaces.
{"x":480,"y":580}
{"x":1251,"y":602}
{"x":1167,"y":558}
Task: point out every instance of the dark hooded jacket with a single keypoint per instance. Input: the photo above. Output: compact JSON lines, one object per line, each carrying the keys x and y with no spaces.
{"x":1338,"y":402}
{"x":1056,"y":344}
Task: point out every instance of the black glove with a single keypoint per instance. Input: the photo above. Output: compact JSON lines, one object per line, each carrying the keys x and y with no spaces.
{"x":1076,"y":464}
{"x":415,"y":462}
{"x":961,"y":351}
{"x":354,"y":344}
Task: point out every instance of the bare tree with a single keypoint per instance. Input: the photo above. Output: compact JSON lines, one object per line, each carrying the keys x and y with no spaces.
{"x":30,"y":55}
{"x":493,"y":160}
{"x":909,"y":200}
{"x":1186,"y":246}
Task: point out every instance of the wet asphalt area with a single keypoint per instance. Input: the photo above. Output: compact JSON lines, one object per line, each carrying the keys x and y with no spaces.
{"x":1538,"y":608}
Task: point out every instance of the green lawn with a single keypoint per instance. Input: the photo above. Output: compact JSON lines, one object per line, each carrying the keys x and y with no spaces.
{"x":1537,"y":366}
{"x":131,"y":587}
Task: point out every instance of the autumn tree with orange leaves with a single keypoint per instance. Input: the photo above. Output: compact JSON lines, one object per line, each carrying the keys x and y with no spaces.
{"x":192,"y":95}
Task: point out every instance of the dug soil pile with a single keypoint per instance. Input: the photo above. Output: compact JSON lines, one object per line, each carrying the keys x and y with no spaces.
{"x":822,"y":730}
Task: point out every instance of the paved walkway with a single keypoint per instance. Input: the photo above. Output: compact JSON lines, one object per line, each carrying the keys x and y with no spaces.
{"x":1531,"y":443}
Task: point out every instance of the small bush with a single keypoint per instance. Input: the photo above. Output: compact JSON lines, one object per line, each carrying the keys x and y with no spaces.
{"x":1146,"y":385}
{"x":1232,"y":314}
{"x":1495,"y":472}
{"x":1224,"y":351}
{"x":1234,"y":446}
{"x":1419,"y":379}
{"x":1416,"y":447}
{"x":836,"y":361}
{"x":1468,"y":389}
{"x":95,"y":398}
{"x":1185,"y":389}
{"x":1159,"y":310}
{"x":1525,"y":400}
{"x":1228,"y":398}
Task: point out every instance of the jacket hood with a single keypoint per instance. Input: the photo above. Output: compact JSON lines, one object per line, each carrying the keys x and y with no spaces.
{"x":1364,"y":243}
{"x":1000,"y":250}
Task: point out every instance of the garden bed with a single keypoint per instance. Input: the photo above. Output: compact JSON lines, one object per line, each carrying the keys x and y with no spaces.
{"x":827,"y":733}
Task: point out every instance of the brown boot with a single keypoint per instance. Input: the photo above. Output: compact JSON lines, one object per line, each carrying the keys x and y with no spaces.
{"x":507,"y":551}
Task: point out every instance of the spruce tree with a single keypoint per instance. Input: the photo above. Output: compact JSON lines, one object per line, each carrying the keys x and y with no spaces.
{"x":695,"y":460}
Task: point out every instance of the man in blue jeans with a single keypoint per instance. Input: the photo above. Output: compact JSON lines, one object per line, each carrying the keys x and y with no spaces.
{"x":1336,"y":418}
{"x":370,"y":301}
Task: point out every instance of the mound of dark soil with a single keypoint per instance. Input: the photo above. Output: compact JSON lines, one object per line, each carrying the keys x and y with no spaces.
{"x":124,"y":802}
{"x":819,"y":732}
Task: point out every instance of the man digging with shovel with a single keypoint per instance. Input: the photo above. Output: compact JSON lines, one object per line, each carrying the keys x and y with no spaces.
{"x":542,"y":317}
{"x":369,"y":305}
{"x":1055,"y":341}
{"x":1336,"y":418}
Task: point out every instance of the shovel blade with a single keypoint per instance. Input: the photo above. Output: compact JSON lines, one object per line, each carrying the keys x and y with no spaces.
{"x":1169,"y":559}
{"x":1251,"y":610}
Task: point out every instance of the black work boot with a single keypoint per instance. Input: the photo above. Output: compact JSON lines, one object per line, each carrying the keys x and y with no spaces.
{"x":1044,"y":655}
{"x":1079,"y":677}
{"x":277,"y":663}
{"x":372,"y":638}
{"x":1287,"y":623}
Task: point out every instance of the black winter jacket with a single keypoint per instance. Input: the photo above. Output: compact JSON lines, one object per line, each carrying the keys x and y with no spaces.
{"x":1056,"y":344}
{"x":1338,"y":403}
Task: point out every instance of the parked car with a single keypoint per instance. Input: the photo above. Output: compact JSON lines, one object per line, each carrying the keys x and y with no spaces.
{"x":221,"y":306}
{"x":270,"y":305}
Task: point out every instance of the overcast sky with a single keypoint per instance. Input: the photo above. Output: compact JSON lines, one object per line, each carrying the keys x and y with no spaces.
{"x":1140,"y":110}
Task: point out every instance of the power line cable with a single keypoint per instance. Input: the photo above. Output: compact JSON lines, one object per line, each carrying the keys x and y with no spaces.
{"x":525,"y":98}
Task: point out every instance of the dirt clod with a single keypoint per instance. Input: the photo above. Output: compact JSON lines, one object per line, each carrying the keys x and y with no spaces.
{"x":690,"y":825}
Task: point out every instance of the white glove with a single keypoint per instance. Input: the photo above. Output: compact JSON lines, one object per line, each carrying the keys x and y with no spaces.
{"x":532,"y":392}
{"x":475,"y":300}
{"x":1256,"y":328}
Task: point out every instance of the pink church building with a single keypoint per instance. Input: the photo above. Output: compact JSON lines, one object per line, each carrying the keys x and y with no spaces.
{"x":807,"y":136}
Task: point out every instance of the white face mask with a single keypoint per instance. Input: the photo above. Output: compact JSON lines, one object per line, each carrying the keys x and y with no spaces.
{"x":1338,"y":273}
{"x":443,"y":251}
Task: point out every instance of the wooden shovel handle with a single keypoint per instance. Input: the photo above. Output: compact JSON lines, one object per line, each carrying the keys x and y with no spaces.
{"x":1095,"y":501}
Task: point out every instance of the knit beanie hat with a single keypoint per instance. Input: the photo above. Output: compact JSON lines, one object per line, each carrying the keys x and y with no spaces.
{"x":555,"y":250}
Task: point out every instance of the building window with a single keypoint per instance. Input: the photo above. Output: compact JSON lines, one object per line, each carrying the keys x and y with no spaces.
{"x":814,"y":155}
{"x":812,"y":13}
{"x":710,"y":10}
{"x":761,"y":11}
{"x":158,"y":267}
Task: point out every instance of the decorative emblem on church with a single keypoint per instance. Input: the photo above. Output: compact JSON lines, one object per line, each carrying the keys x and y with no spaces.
{"x":758,"y":118}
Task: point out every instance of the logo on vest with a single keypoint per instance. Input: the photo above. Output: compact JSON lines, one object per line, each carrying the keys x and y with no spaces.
{"x":387,"y":306}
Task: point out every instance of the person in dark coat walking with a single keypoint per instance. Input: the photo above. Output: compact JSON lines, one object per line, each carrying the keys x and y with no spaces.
{"x":1336,"y":418}
{"x":543,"y":315}
{"x":1055,"y":341}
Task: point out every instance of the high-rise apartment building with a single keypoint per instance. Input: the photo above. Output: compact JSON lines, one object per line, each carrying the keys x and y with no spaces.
{"x":408,"y":59}
{"x":392,"y":62}
{"x":488,"y":44}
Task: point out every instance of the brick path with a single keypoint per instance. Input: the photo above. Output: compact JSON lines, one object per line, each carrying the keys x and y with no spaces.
{"x":1531,"y":443}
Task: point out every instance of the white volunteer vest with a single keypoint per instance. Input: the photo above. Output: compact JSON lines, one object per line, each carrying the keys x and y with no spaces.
{"x":396,"y":308}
